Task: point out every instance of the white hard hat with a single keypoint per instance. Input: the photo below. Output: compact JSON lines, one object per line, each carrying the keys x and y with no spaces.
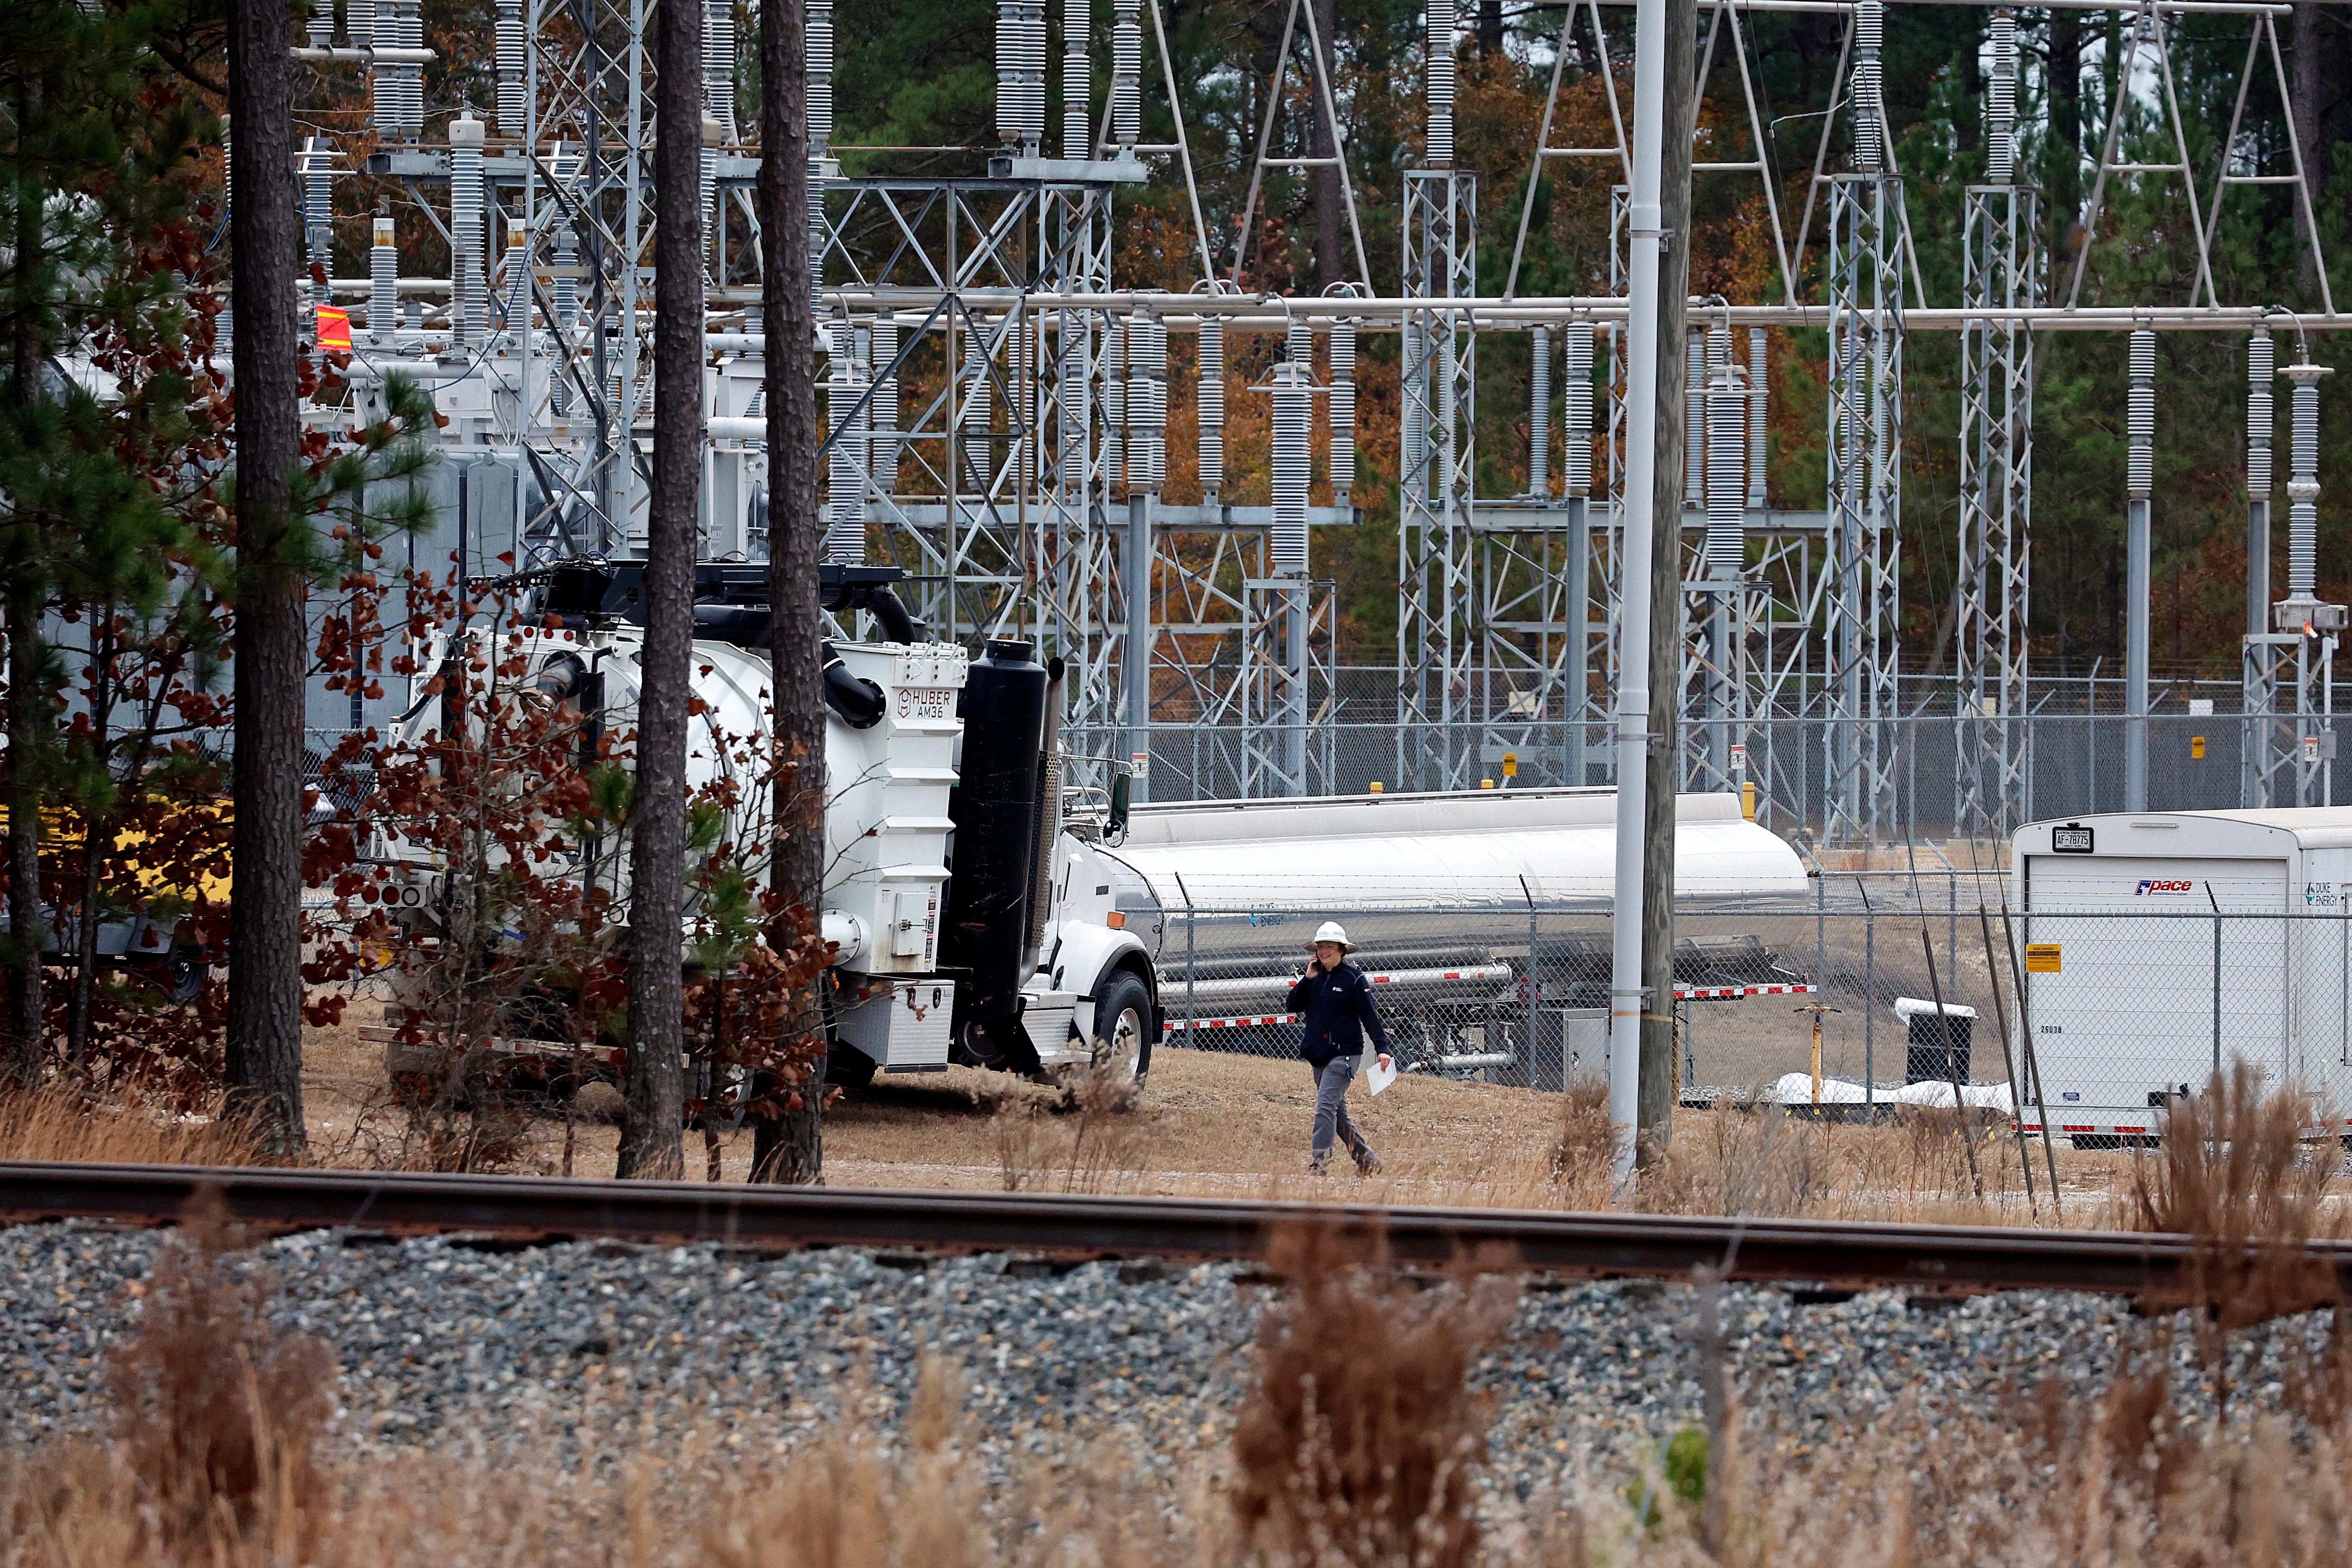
{"x":1332,"y":931}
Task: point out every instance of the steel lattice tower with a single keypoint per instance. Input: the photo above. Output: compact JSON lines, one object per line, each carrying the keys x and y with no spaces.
{"x":2000,"y":230}
{"x":1866,"y":446}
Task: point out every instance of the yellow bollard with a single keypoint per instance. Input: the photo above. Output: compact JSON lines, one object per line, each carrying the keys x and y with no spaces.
{"x":1817,"y":1009}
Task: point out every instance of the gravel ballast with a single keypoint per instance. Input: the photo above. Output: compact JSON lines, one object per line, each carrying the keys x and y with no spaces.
{"x":559,"y":1343}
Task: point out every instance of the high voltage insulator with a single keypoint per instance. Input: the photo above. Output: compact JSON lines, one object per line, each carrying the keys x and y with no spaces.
{"x":466,"y":230}
{"x":383,"y":277}
{"x":1077,"y":76}
{"x":1438,"y":83}
{"x":1576,"y":408}
{"x":845,"y":533}
{"x":819,"y":77}
{"x":2001,"y":101}
{"x":359,"y":21}
{"x":514,"y":112}
{"x":978,"y":404}
{"x":882,"y":353}
{"x":1412,"y":437}
{"x":1726,"y":455}
{"x":1147,"y":402}
{"x":398,"y":91}
{"x":1020,"y":74}
{"x":563,"y":168}
{"x":1695,"y":420}
{"x":1343,"y":410}
{"x":1539,"y":415}
{"x":1869,"y":33}
{"x":1758,"y":384}
{"x":1126,"y":76}
{"x":1294,"y":395}
{"x":225,"y":324}
{"x":1298,"y":343}
{"x":1114,"y":405}
{"x":2262,"y":369}
{"x":318,"y":160}
{"x":707,"y":176}
{"x":2139,"y":418}
{"x":321,"y":25}
{"x":819,"y":33}
{"x":1211,"y":397}
{"x":718,"y":64}
{"x":2303,"y":481}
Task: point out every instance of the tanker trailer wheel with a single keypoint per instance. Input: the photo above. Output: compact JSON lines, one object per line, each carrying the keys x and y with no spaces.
{"x":1122,"y":1044}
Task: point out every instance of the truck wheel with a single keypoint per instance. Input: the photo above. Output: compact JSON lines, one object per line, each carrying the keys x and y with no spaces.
{"x":848,"y":1067}
{"x":1123,"y":1031}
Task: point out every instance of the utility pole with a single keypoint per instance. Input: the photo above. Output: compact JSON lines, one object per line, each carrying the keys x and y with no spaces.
{"x":1654,"y":54}
{"x":2140,"y":482}
{"x":1654,"y":1119}
{"x":652,"y":1136}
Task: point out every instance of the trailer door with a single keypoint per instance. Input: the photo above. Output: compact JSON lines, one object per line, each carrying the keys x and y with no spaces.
{"x":2126,"y":970}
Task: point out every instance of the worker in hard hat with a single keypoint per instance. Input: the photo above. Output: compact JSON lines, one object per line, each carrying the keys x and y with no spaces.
{"x":1334,"y":1004}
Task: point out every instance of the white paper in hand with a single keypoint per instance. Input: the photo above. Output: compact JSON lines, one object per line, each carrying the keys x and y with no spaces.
{"x":1377,"y":1076}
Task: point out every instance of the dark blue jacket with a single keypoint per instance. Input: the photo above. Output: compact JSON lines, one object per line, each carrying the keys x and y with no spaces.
{"x":1335,"y":1009}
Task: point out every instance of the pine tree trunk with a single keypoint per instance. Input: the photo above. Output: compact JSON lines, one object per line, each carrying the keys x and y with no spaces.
{"x":791,"y":1147}
{"x":2306,"y":87}
{"x":27,"y":717}
{"x":264,"y":944}
{"x":2065,"y":123}
{"x":1334,"y":263}
{"x":27,"y":1049}
{"x":1654,"y":1115}
{"x":653,"y":1134}
{"x":98,"y":835}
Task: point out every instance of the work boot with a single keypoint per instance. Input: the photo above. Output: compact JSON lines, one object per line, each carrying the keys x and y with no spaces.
{"x":1366,"y":1163}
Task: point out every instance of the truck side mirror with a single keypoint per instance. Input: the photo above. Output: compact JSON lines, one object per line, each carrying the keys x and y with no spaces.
{"x":1122,"y":795}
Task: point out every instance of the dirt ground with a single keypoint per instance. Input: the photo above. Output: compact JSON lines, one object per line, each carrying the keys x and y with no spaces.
{"x":1237,"y":1121}
{"x":1215,"y":1124}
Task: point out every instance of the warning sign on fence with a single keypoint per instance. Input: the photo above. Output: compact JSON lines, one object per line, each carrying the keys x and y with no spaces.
{"x":2042,"y":958}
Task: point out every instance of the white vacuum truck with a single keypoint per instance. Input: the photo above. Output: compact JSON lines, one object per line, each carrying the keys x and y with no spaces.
{"x":972,"y":921}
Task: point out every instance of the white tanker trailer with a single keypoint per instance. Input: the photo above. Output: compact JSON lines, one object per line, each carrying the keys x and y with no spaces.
{"x":1482,"y":915}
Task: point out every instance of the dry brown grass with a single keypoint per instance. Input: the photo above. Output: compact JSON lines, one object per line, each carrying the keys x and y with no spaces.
{"x":1212,"y":1124}
{"x":60,"y":1124}
{"x":1361,"y":1442}
{"x":1090,"y":1139}
{"x":215,"y":1412}
{"x":2235,"y":1171}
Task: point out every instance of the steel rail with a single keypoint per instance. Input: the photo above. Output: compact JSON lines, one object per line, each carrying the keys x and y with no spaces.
{"x":526,"y":1209}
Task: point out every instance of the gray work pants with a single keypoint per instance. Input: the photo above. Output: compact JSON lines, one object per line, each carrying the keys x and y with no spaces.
{"x":1331,"y":1081}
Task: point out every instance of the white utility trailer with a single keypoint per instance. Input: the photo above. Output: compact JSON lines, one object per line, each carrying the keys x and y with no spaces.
{"x":2160,"y":947}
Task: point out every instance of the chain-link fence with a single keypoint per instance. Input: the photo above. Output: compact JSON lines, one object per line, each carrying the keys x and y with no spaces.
{"x":1898,"y":993}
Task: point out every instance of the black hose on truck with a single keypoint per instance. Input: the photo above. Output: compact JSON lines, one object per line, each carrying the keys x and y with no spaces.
{"x":995,"y":807}
{"x":856,"y":701}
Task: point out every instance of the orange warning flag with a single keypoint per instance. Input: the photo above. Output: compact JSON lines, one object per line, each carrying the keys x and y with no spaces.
{"x":334,"y":328}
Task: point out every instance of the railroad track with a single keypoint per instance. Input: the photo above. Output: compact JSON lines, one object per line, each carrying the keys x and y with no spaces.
{"x":523,"y":1210}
